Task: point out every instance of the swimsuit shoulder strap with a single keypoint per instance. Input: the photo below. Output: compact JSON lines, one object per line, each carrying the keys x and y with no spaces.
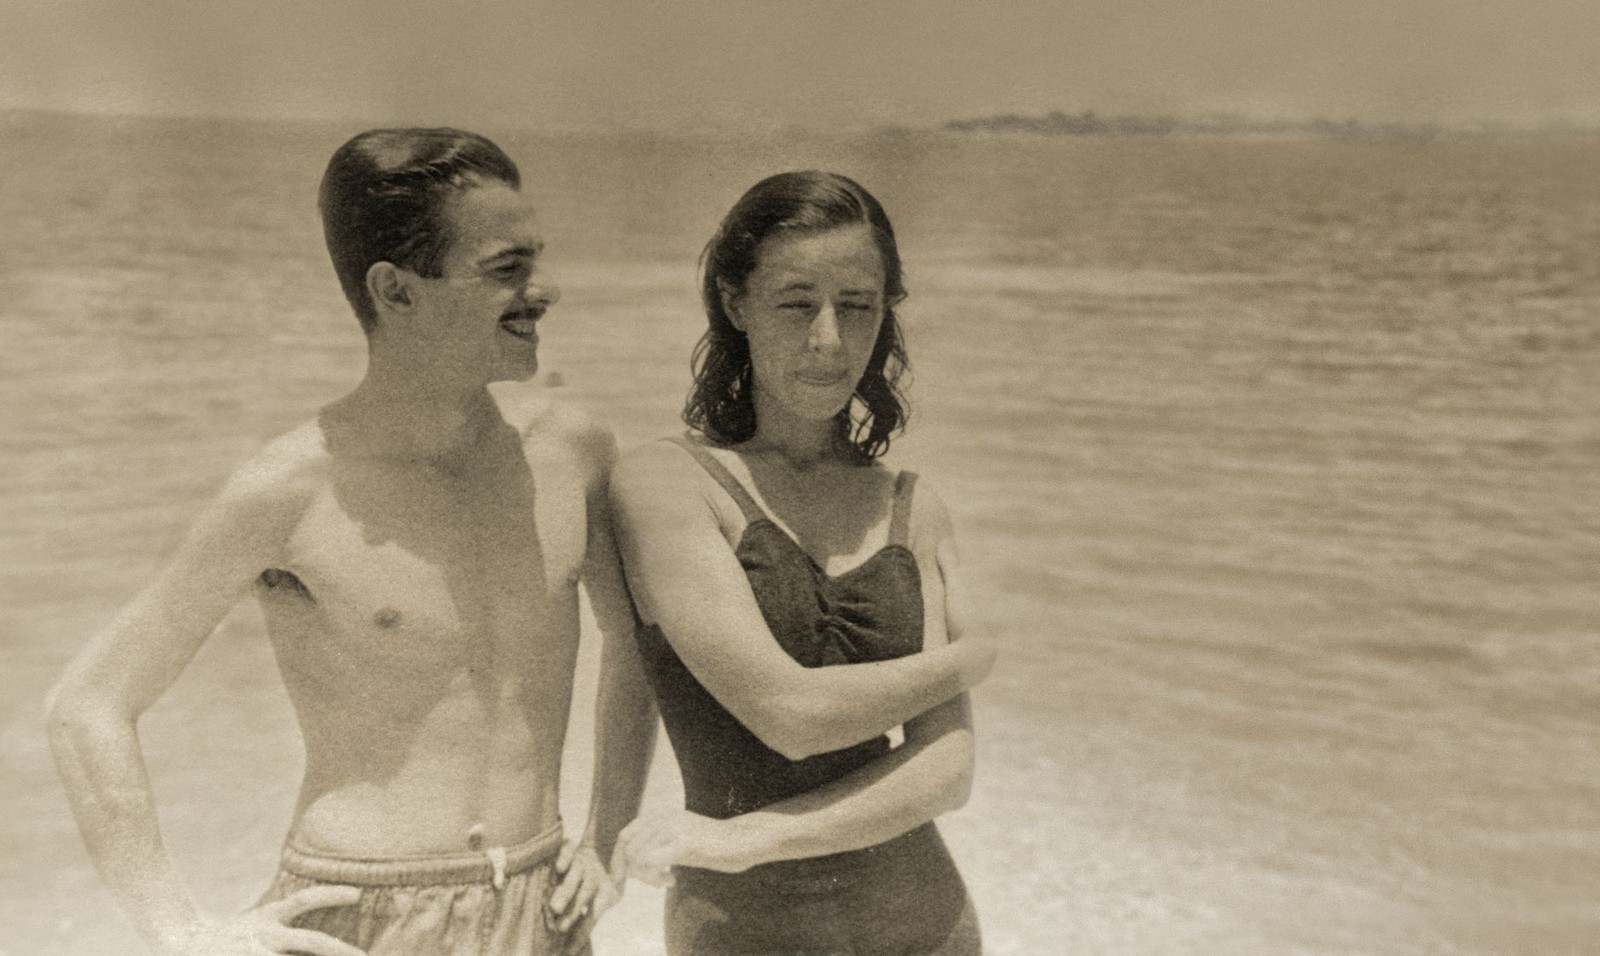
{"x":900,"y":518}
{"x":717,"y":470}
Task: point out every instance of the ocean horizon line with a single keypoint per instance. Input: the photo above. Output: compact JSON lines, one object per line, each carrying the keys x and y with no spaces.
{"x":1087,"y":123}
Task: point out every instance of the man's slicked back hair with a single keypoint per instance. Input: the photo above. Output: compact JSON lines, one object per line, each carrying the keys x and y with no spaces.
{"x":383,"y":197}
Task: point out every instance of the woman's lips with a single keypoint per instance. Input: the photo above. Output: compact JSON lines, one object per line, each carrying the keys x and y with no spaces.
{"x":820,"y":379}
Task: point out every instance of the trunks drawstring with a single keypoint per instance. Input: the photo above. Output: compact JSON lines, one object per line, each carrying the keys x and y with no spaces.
{"x":497,"y":857}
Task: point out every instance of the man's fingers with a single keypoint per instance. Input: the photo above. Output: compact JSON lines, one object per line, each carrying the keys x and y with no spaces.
{"x":581,"y":910}
{"x":609,"y":895}
{"x":313,"y":943}
{"x":565,"y":891}
{"x":578,"y":938}
{"x":313,"y":898}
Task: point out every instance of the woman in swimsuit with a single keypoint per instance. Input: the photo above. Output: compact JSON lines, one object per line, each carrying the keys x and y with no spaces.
{"x":769,"y":544}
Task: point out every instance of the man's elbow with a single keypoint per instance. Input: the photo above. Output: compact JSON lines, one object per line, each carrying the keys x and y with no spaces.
{"x":75,"y":718}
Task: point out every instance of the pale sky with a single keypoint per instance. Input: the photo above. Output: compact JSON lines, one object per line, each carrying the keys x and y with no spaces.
{"x":760,"y":64}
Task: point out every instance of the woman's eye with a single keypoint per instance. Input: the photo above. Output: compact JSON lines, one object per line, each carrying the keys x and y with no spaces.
{"x":794,"y":305}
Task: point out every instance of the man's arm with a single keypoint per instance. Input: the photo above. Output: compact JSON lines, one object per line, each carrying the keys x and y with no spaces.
{"x":94,"y":709}
{"x":687,"y":580}
{"x":928,"y":775}
{"x":625,"y":712}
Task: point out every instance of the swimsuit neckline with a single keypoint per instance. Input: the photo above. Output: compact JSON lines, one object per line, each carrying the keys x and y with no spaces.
{"x":821,"y":571}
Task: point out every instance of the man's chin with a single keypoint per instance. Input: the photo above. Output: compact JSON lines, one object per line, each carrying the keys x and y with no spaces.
{"x":516,"y":371}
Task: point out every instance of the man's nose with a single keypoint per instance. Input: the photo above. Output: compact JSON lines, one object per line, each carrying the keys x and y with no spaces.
{"x":542,"y":287}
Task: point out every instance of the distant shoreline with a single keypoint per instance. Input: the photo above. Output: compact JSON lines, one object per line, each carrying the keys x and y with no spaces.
{"x":1090,"y":123}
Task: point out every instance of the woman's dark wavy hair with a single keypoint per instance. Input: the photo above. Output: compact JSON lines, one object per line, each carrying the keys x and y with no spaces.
{"x":721,"y":405}
{"x":383,"y":196}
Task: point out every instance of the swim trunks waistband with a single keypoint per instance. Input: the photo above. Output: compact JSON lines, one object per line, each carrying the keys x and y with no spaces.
{"x":478,"y":866}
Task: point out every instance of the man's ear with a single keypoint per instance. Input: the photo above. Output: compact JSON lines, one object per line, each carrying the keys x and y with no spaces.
{"x":389,"y":287}
{"x":730,"y":304}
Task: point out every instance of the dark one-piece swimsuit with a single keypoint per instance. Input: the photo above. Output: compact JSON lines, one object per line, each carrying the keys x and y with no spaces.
{"x":903,"y":896}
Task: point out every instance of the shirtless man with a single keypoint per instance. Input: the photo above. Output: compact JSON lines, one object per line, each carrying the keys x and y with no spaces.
{"x":416,"y":551}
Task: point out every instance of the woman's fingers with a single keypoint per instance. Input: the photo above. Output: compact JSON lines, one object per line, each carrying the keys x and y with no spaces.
{"x":649,"y":848}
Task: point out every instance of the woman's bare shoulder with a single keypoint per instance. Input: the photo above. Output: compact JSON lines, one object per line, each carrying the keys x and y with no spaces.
{"x":930,"y":524}
{"x":657,"y":468}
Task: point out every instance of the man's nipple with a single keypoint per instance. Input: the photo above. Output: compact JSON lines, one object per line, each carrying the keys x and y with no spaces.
{"x":386,"y":617}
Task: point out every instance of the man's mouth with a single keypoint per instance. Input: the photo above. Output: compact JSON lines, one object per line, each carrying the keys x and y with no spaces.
{"x":522,"y":322}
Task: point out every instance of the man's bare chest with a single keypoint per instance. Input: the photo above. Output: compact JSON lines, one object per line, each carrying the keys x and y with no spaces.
{"x":424,"y":552}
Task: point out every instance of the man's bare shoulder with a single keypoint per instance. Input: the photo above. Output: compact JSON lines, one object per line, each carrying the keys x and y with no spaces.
{"x":261,"y":503}
{"x":286,"y":472}
{"x":543,"y":419}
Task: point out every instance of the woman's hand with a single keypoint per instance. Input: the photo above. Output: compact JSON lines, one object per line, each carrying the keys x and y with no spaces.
{"x":651,"y":846}
{"x":266,"y":929}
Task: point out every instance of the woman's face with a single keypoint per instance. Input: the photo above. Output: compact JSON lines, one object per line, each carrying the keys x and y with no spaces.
{"x":811,"y":311}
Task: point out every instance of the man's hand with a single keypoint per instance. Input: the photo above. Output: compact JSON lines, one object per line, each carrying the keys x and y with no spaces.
{"x":586,"y":890}
{"x":265,"y":930}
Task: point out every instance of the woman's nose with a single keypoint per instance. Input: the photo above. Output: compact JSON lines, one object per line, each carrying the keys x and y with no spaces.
{"x":825,"y":328}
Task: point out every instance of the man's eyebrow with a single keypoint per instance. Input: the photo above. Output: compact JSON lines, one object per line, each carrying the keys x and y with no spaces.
{"x":801,"y":285}
{"x":517,"y":252}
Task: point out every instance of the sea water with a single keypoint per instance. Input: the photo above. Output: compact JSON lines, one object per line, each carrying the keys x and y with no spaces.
{"x":1275,"y":466}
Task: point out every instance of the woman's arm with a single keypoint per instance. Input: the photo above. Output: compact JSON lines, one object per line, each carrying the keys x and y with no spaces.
{"x":928,"y":775}
{"x":686,"y":579}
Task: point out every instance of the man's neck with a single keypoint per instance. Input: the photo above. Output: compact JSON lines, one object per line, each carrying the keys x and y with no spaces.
{"x":417,"y":417}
